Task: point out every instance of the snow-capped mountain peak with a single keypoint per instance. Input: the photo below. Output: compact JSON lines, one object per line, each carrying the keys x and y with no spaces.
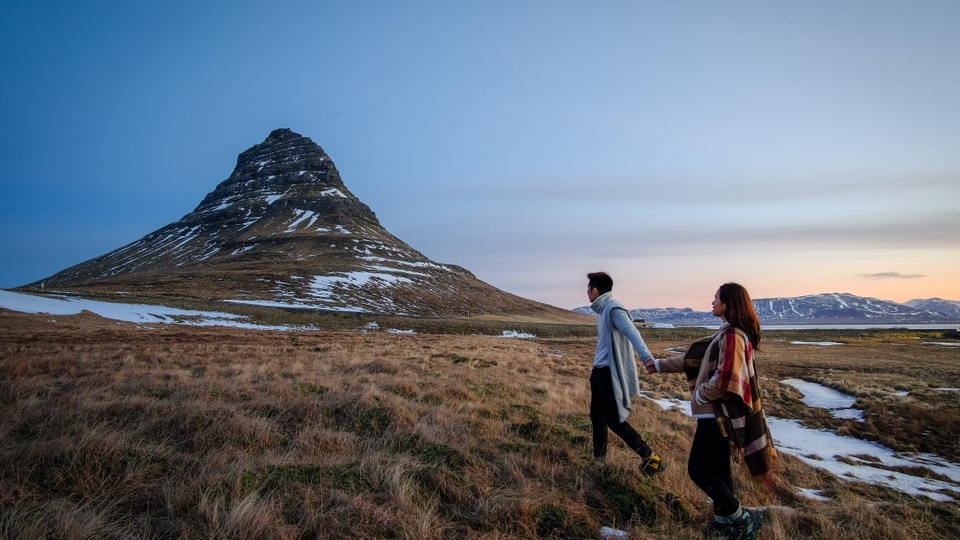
{"x":284,"y":230}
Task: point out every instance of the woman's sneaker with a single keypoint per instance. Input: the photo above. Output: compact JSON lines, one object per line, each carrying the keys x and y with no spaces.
{"x":744,"y":528}
{"x":748,"y":524}
{"x":652,"y":465}
{"x":717,"y":531}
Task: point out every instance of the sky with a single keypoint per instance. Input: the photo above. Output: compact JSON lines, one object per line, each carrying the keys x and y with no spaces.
{"x":796,"y":148}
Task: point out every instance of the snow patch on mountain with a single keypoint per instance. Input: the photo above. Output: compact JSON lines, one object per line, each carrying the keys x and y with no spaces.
{"x":333,"y":192}
{"x":301,"y":216}
{"x":323,"y":286}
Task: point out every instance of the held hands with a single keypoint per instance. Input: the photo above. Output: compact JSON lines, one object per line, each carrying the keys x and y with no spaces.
{"x":651,"y":366}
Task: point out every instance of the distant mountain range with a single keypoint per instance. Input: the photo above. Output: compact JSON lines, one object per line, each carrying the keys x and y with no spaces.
{"x":947,"y":307}
{"x":833,"y":308}
{"x":283,"y":230}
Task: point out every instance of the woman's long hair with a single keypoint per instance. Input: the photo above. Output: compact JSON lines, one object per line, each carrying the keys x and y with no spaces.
{"x":740,"y":312}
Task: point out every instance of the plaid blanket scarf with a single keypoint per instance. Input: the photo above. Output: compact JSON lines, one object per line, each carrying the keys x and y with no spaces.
{"x":740,"y":412}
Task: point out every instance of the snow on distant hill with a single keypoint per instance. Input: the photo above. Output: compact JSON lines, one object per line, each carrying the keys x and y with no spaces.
{"x":832,"y":308}
{"x":947,"y":307}
{"x":842,"y":308}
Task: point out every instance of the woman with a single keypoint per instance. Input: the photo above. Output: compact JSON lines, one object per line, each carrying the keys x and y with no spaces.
{"x":726,"y":404}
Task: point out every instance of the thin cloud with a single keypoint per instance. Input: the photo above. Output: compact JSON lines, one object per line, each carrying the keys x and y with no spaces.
{"x":891,"y":275}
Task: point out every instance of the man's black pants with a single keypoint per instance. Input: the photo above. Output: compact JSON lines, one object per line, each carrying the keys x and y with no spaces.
{"x":603,"y":415}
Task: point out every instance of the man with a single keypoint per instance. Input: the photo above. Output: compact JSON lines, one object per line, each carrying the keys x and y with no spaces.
{"x":613,"y":380}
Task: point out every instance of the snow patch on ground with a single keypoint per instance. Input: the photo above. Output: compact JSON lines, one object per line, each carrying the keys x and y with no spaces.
{"x":855,"y":459}
{"x":819,"y":396}
{"x":849,"y":458}
{"x":820,"y":343}
{"x":515,"y":334}
{"x":668,"y":404}
{"x":611,"y":533}
{"x":135,"y":313}
{"x":813,"y":494}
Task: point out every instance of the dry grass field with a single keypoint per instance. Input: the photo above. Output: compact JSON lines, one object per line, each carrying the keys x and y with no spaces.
{"x":113,"y":430}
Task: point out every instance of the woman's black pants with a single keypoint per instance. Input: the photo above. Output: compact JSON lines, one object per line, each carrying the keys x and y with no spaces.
{"x":709,"y":466}
{"x":603,"y":414}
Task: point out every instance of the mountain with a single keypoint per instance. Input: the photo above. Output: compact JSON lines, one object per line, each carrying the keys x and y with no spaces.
{"x":841,"y":308}
{"x":834,"y":308}
{"x":674,"y":316}
{"x":947,"y":307}
{"x":284,"y":230}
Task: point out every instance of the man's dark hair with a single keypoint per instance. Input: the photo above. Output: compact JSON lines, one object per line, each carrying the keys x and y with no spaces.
{"x":600,"y":281}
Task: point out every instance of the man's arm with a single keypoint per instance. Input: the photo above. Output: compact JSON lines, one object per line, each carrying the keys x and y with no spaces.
{"x":622,"y":322}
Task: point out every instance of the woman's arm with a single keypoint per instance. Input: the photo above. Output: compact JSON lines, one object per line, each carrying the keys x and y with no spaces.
{"x":673,"y":364}
{"x":733,"y":349}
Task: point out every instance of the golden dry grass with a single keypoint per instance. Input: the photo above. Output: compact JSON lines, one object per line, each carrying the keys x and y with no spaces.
{"x":117,"y":431}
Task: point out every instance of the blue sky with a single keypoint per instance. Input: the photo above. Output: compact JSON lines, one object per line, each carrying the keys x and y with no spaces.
{"x":795,"y":148}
